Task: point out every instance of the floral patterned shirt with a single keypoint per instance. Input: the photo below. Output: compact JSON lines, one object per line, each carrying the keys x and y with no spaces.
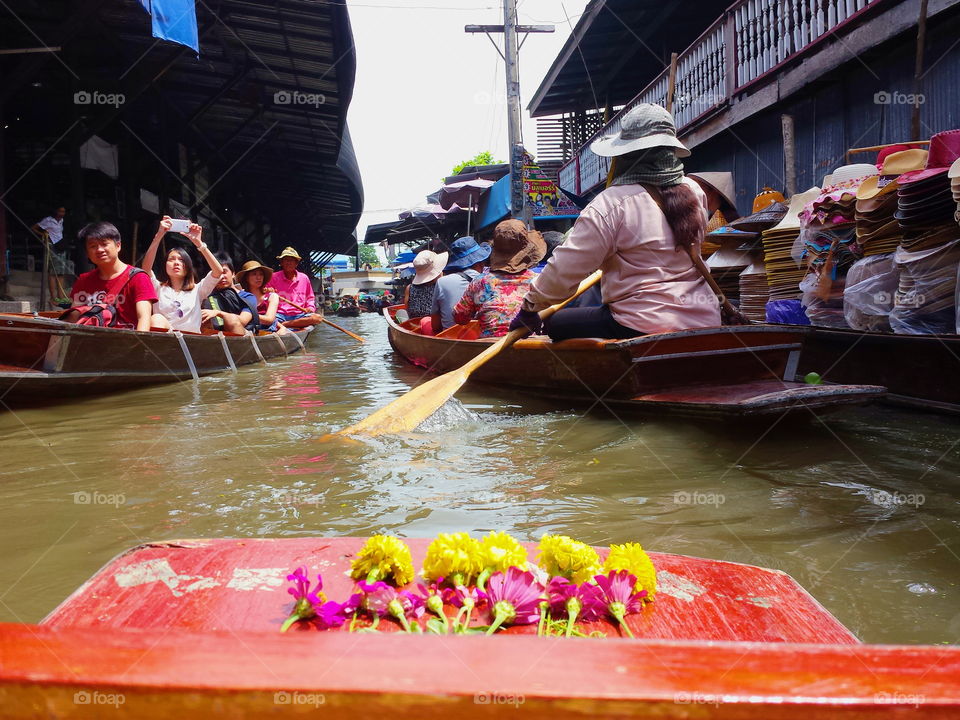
{"x":494,"y":298}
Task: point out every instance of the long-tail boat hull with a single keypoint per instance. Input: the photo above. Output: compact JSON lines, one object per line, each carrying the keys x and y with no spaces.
{"x":921,"y":371}
{"x":738,"y":371}
{"x":189,"y":629}
{"x":44,"y":360}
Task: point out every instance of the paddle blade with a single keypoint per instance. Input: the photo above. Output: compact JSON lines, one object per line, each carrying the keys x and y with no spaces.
{"x":412,"y":408}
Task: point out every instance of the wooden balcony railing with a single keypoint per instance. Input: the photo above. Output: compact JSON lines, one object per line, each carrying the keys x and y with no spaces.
{"x":752,"y":39}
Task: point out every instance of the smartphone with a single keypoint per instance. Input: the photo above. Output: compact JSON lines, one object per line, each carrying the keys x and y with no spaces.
{"x":180,"y":226}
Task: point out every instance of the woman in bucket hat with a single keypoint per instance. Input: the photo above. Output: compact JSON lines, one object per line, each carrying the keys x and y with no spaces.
{"x":419,"y":294}
{"x":494,"y":297}
{"x":640,"y":232}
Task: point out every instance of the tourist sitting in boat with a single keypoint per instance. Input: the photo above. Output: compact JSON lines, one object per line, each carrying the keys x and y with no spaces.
{"x":298,"y":304}
{"x":112,"y":288}
{"x":230,"y":308}
{"x":419,"y":294}
{"x":179,"y":294}
{"x":495,"y":297}
{"x":254,"y":277}
{"x":642,"y":233}
{"x":466,"y":262}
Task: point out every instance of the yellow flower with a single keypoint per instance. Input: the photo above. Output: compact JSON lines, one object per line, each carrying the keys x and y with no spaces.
{"x":454,"y":556}
{"x":631,"y":557}
{"x":500,"y":551}
{"x":383,"y":557}
{"x":563,"y":556}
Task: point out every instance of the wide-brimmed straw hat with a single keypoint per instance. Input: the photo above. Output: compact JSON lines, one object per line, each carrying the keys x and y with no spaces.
{"x":763,"y":220}
{"x":465,"y":252}
{"x":894,"y":165}
{"x":429,"y":266}
{"x":641,"y":128}
{"x":252,"y":265}
{"x":515,"y":248}
{"x":289,"y":252}
{"x":791,"y":221}
{"x":722,"y":184}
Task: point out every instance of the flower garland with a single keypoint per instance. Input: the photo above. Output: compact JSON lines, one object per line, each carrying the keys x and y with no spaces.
{"x":491,"y":576}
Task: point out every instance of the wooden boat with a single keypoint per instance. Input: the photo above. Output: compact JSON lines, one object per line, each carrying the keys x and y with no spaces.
{"x":739,"y":371}
{"x":349,"y":311}
{"x":922,"y":371}
{"x":189,"y":629}
{"x":44,"y":360}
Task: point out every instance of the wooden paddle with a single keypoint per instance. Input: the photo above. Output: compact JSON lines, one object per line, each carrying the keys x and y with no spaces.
{"x":411,"y":409}
{"x":301,"y":308}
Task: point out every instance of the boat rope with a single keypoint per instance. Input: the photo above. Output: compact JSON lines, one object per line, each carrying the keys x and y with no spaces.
{"x":256,"y":348}
{"x":296,"y":336}
{"x":283,"y":345}
{"x":186,"y":354}
{"x":226,"y":351}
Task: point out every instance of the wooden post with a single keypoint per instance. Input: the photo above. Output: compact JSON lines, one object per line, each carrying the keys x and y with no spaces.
{"x":672,"y":82}
{"x":789,"y":155}
{"x":918,"y":70}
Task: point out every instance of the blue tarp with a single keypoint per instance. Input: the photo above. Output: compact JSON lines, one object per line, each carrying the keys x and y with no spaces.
{"x":495,"y":204}
{"x":174,"y":20}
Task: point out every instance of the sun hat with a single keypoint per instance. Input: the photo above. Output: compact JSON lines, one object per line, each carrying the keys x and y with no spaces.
{"x":515,"y":248}
{"x":643,"y":127}
{"x":944,"y":151}
{"x":763,"y":220}
{"x":289,"y":252}
{"x":767,"y":197}
{"x":252,"y":265}
{"x":894,"y":165}
{"x":886,"y":152}
{"x":791,"y":221}
{"x":722,"y":184}
{"x":465,"y":251}
{"x":429,"y":266}
{"x":954,"y":171}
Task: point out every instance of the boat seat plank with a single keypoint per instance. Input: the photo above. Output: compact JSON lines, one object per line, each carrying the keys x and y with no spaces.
{"x":239,"y":585}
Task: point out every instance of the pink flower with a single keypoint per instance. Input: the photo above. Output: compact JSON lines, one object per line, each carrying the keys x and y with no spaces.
{"x":311,"y":603}
{"x":514,"y":597}
{"x":586,"y":598}
{"x":383,"y":600}
{"x":618,"y":595}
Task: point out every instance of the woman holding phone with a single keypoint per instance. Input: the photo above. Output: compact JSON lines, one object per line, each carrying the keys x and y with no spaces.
{"x":179,"y":293}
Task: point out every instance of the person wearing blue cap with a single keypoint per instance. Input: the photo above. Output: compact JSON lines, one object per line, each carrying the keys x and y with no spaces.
{"x":467,"y":258}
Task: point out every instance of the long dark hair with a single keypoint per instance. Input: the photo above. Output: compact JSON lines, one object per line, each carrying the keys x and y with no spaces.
{"x":190,"y":279}
{"x":685,"y":215}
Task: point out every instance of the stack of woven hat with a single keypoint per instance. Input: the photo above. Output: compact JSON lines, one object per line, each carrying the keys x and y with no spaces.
{"x":954,"y":175}
{"x":878,"y":231}
{"x":929,"y":253}
{"x":769,"y":208}
{"x":828,"y":245}
{"x":783,"y":272}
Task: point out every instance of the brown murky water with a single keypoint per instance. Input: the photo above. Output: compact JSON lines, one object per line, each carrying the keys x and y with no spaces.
{"x":861,"y":509}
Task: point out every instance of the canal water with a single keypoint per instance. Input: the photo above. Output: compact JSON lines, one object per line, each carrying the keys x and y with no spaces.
{"x":861,"y":508}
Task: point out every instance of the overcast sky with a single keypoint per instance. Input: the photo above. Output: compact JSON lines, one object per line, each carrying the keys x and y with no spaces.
{"x":429,"y":95}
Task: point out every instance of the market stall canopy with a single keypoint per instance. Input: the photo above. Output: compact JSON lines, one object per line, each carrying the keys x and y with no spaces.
{"x":465,"y":193}
{"x":260,"y":116}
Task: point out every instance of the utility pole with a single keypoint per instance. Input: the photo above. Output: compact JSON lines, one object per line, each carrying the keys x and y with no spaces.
{"x":510,"y":55}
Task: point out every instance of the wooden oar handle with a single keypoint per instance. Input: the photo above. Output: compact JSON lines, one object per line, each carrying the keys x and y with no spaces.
{"x":301,"y":308}
{"x":587,"y":283}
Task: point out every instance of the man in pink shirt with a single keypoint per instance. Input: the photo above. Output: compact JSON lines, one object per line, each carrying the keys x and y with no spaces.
{"x":298,"y":304}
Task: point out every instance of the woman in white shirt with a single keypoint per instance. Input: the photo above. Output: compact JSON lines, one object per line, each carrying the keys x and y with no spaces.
{"x":179,"y":293}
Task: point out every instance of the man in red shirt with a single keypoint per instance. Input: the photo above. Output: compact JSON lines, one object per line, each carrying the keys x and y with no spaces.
{"x":298,"y":304}
{"x":111,"y":281}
